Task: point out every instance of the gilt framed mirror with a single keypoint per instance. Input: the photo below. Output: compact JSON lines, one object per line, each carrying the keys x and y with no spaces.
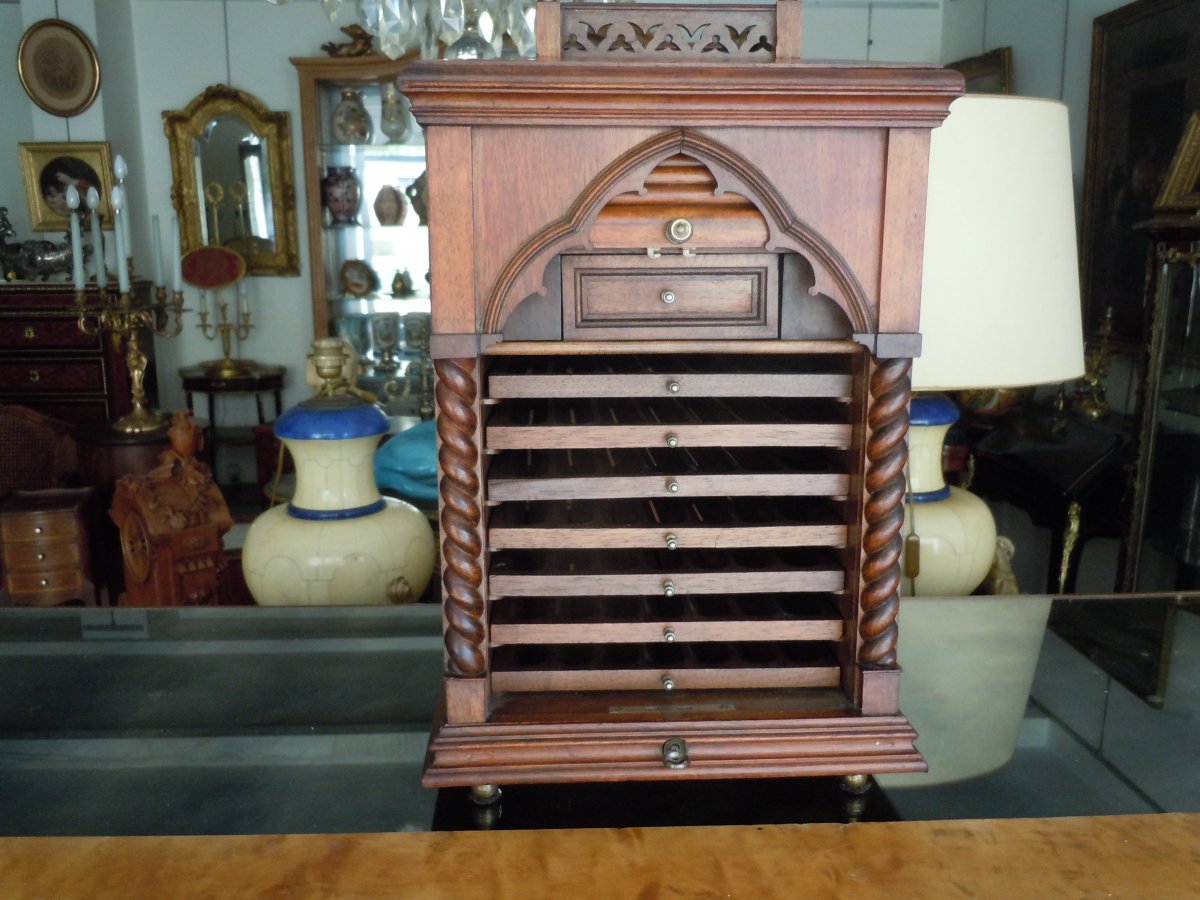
{"x":231,"y":166}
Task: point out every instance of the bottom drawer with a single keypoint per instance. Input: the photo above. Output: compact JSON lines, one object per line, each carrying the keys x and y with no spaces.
{"x":48,"y":582}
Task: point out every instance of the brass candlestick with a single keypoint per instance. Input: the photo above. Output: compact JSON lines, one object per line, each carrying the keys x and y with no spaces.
{"x":240,"y":327}
{"x":1091,"y":400}
{"x":117,"y":315}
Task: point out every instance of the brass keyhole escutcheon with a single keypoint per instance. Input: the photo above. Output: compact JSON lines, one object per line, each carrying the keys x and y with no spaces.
{"x":679,"y":230}
{"x":675,"y":753}
{"x":30,"y":334}
{"x":35,"y":376}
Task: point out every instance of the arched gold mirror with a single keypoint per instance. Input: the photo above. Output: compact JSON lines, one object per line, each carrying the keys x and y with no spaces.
{"x":231,"y":161}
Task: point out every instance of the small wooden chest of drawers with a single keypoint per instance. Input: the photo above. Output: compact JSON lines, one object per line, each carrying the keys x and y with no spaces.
{"x":44,"y":542}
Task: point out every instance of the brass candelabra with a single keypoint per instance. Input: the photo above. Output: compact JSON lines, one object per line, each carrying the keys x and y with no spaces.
{"x":117,"y":313}
{"x":226,"y":329}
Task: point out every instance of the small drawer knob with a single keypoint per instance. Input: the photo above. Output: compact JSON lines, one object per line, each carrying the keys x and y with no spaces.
{"x":668,"y":683}
{"x":44,"y":582}
{"x":37,"y":529}
{"x":672,"y":542}
{"x":672,"y":387}
{"x":669,"y":634}
{"x":679,"y":230}
{"x":675,"y":753}
{"x":672,"y":441}
{"x":668,"y":589}
{"x":667,"y":296}
{"x":41,"y":557}
{"x":30,"y":334}
{"x":35,"y":375}
{"x":672,"y":487}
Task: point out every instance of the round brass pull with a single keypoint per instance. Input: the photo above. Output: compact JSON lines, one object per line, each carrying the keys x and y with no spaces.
{"x":668,"y":589}
{"x":672,"y":441}
{"x":667,"y":296}
{"x":44,"y":582}
{"x":672,"y":487}
{"x":35,"y":376}
{"x":37,"y":529}
{"x":668,"y":683}
{"x":675,"y":753}
{"x":41,"y":557}
{"x":669,"y":634}
{"x":672,"y":387}
{"x":679,"y":230}
{"x":672,"y":542}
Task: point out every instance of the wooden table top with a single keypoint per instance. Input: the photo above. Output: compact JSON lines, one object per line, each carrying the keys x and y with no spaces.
{"x":1154,"y":856}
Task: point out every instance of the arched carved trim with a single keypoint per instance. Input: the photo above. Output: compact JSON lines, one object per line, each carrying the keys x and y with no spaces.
{"x":887,"y":453}
{"x":525,"y":271}
{"x":462,"y":546}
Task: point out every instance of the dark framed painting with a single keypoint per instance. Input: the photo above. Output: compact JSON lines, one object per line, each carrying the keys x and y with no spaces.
{"x":1145,"y":84}
{"x":988,"y":73}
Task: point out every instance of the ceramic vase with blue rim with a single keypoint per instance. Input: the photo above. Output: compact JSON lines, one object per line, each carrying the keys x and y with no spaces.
{"x":954,"y":529}
{"x":338,"y":541}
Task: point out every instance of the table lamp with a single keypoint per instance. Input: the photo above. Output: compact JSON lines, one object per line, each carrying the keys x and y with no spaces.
{"x":999,"y":308}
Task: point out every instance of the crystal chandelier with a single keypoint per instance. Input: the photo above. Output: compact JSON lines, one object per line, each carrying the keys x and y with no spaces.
{"x":466,"y":29}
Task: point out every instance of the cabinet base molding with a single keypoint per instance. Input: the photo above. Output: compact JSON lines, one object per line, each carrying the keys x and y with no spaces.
{"x":545,"y":752}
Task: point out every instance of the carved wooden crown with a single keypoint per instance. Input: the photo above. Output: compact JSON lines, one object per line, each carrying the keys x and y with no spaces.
{"x":667,"y":32}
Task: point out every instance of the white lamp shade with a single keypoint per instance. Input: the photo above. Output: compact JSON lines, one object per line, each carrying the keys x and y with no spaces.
{"x":1000,"y":298}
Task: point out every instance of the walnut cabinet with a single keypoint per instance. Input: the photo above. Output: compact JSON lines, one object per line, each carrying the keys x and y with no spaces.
{"x":674,"y":312}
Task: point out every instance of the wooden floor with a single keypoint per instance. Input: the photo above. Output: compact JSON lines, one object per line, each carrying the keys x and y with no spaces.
{"x":1154,"y":857}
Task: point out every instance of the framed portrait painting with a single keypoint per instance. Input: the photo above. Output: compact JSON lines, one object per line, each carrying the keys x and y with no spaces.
{"x":50,"y":168}
{"x":988,"y":73}
{"x":58,"y":67}
{"x":1145,"y":84}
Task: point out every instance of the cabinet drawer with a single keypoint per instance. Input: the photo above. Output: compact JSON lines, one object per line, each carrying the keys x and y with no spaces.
{"x":39,"y":374}
{"x":38,"y":527}
{"x":54,"y":581}
{"x":40,"y":555}
{"x":43,"y":334}
{"x":726,"y":296}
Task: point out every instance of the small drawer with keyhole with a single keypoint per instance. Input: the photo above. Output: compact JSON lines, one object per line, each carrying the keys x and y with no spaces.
{"x":611,"y":296}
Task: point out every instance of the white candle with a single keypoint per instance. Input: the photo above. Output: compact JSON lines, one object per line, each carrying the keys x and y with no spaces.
{"x":156,"y":241}
{"x":121,"y":171}
{"x":204,"y":301}
{"x":176,"y":256}
{"x":93,"y":203}
{"x":118,"y":204}
{"x":76,"y":238}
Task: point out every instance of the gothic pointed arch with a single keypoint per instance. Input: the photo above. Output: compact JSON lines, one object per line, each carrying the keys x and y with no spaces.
{"x":633,"y":176}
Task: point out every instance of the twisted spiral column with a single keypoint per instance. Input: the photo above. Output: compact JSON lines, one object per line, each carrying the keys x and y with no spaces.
{"x":462,"y":547}
{"x":887,"y":453}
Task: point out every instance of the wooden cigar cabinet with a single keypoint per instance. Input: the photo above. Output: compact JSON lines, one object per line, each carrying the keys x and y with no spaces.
{"x":675,"y":303}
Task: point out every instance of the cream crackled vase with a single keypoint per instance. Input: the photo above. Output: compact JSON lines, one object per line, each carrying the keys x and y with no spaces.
{"x":338,"y":541}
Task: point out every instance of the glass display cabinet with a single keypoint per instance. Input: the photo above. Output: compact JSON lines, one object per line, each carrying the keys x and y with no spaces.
{"x":364,"y":164}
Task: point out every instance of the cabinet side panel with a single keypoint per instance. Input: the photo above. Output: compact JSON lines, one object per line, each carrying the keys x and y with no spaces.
{"x":448,"y":150}
{"x":903,"y":230}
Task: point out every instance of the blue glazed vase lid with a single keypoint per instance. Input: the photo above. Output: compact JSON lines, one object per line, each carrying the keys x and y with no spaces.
{"x":333,"y":418}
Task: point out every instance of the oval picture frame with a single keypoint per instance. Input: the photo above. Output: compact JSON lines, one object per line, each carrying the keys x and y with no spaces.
{"x":58,"y":67}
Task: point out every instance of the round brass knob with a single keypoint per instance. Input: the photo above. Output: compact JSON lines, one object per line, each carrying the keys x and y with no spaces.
{"x":679,"y":230}
{"x":672,"y":487}
{"x":44,"y":583}
{"x":669,"y":634}
{"x":35,"y":375}
{"x":41,"y":556}
{"x":668,"y":683}
{"x":673,"y":387}
{"x":37,"y":529}
{"x":672,"y":542}
{"x":667,"y":296}
{"x":668,"y":589}
{"x":672,"y":441}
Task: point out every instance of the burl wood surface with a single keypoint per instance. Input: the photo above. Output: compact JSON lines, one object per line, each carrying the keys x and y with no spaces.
{"x":1155,"y":857}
